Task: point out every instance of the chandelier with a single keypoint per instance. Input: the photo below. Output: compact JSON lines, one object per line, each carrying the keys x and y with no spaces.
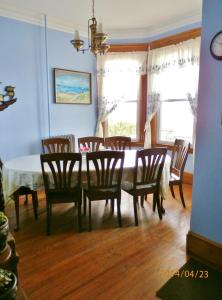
{"x":96,"y":38}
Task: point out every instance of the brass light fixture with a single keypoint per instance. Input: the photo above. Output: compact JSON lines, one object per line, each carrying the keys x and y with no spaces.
{"x":96,"y":38}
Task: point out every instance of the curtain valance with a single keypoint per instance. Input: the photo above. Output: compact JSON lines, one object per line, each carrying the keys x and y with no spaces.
{"x":179,"y":55}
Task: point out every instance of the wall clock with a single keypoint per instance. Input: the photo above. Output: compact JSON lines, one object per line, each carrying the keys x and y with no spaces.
{"x":216,"y":46}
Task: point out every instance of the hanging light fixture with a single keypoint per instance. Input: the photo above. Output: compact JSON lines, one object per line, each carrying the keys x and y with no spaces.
{"x":96,"y":38}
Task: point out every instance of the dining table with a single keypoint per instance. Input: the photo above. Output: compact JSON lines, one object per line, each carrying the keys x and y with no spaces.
{"x":26,"y":171}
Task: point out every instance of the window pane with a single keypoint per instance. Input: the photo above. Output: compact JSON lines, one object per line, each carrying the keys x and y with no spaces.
{"x":176,"y":83}
{"x":123,"y":120}
{"x":176,"y":121}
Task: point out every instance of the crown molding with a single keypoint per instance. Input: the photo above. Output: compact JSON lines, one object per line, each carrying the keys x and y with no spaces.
{"x":38,"y":19}
{"x":52,"y":23}
{"x":25,"y":16}
{"x":151,"y":31}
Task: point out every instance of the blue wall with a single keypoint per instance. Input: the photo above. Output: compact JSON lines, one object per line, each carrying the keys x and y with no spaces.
{"x":157,"y":36}
{"x":66,"y":118}
{"x":20,"y":63}
{"x":23,"y":65}
{"x":206,"y":218}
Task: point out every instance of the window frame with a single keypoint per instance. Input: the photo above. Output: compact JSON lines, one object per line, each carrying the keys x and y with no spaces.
{"x":141,"y":119}
{"x":159,"y":121}
{"x":173,"y":39}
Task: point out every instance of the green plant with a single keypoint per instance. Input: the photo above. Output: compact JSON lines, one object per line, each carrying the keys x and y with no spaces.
{"x":3,"y":218}
{"x":122,"y":128}
{"x":4,"y":228}
{"x":5,"y":280}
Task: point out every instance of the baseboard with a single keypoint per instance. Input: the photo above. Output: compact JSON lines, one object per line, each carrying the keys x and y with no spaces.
{"x":187,"y":178}
{"x":205,"y":250}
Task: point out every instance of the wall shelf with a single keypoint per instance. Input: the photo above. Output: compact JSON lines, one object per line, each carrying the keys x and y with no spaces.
{"x":5,"y":104}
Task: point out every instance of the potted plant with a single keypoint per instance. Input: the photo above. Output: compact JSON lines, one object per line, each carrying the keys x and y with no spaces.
{"x":4,"y":228}
{"x":8,"y":285}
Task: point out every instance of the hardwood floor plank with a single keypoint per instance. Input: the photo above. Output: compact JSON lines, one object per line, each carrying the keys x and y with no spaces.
{"x":119,"y":263}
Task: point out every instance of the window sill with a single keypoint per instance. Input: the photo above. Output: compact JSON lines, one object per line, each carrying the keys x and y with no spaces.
{"x":137,"y":144}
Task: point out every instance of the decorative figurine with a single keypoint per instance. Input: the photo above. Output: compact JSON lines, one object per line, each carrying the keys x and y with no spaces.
{"x":8,"y":98}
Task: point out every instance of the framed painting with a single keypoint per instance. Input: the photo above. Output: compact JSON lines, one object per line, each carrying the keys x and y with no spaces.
{"x":72,"y":87}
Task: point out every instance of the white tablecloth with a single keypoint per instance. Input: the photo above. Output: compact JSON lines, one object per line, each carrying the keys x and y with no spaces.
{"x":26,"y":171}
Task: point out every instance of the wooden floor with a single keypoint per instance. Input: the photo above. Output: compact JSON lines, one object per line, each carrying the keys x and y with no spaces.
{"x":109,"y":262}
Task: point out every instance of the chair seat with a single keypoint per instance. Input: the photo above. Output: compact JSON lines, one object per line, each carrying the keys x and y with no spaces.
{"x":24,"y":190}
{"x":65,"y":197}
{"x":101,"y":193}
{"x":141,"y":189}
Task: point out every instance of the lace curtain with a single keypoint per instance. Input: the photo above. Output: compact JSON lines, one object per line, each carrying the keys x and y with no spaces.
{"x":113,"y":69}
{"x":163,"y":61}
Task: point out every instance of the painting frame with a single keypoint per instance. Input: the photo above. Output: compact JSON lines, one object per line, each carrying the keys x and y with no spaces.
{"x":72,"y":87}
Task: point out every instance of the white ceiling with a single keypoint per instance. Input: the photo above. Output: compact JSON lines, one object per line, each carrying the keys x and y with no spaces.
{"x":120,"y":18}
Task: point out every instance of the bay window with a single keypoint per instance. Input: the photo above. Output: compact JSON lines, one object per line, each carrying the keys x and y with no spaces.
{"x":173,"y":73}
{"x":120,"y":86}
{"x":175,"y":117}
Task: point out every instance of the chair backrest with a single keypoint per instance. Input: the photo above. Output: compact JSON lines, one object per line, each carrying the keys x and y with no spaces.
{"x":55,"y":145}
{"x":70,"y":137}
{"x":179,"y":156}
{"x":118,"y":142}
{"x":92,"y":142}
{"x":61,"y":172}
{"x":149,"y":166}
{"x":104,"y":169}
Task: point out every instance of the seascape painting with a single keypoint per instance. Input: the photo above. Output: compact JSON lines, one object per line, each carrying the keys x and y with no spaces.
{"x":72,"y":87}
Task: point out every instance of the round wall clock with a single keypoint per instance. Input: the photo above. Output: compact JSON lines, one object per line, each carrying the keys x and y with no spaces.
{"x":216,"y":46}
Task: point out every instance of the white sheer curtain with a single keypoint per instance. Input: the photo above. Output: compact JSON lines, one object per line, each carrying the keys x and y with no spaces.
{"x":180,"y":61}
{"x":114,"y":72}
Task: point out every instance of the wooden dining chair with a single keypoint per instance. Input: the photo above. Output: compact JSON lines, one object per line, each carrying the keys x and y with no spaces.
{"x":55,"y":145}
{"x":104,"y":174}
{"x":62,"y":181}
{"x":118,"y":142}
{"x":92,"y":142}
{"x":178,"y":161}
{"x":147,"y":173}
{"x":21,"y":191}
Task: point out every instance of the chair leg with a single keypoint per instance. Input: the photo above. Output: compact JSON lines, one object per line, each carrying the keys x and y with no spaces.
{"x":172,"y":191}
{"x":90,"y":225}
{"x":48,"y":219}
{"x":154,"y":203}
{"x":135,"y":210}
{"x":79,"y":216}
{"x":16,"y":200}
{"x":158,"y":205}
{"x":107,"y":201}
{"x":181,"y":194}
{"x":34,"y":203}
{"x":37,"y":201}
{"x":2,"y":202}
{"x":84,"y":203}
{"x":112,"y":205}
{"x":142,"y":200}
{"x":119,"y":212}
{"x":162,"y":208}
{"x":26,"y":200}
